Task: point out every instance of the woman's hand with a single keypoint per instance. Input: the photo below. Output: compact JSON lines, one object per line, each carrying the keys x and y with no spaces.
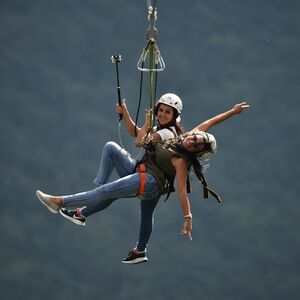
{"x":121,"y":109}
{"x":238,"y":108}
{"x":181,"y":166}
{"x":187,"y":228}
{"x":147,"y":118}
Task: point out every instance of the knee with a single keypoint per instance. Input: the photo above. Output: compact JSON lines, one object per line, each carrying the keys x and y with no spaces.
{"x":110,"y":146}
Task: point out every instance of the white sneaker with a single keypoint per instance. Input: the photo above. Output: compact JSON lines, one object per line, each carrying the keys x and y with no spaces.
{"x":47,"y":201}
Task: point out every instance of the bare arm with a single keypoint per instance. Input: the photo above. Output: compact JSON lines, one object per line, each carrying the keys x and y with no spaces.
{"x":181,"y":167}
{"x":238,"y":108}
{"x":129,"y":123}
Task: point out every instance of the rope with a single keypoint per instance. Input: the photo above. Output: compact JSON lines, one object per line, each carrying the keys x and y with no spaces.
{"x":140,"y":100}
{"x":151,"y":86}
{"x":120,"y":136}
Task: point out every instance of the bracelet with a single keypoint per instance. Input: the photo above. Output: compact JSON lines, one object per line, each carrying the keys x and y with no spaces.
{"x":189,"y":216}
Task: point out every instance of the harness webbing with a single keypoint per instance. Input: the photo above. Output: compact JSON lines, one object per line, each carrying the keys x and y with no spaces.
{"x":141,"y":169}
{"x":198,"y":172}
{"x":192,"y":159}
{"x":140,"y":100}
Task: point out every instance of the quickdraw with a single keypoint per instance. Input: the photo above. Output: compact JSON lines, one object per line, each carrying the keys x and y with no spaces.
{"x":151,"y":56}
{"x":150,"y":61}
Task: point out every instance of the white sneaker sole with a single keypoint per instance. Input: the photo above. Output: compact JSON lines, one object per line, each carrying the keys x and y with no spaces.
{"x":135,"y":261}
{"x":44,"y":200}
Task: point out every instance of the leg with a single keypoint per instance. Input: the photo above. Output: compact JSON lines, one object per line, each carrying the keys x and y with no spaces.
{"x":113,"y":156}
{"x":147,"y":222}
{"x":104,"y":195}
{"x":150,"y":193}
{"x":138,"y":254}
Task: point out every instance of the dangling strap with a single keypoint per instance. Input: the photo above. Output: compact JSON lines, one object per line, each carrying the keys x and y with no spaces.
{"x":141,"y":169}
{"x":207,"y":190}
{"x":198,"y":171}
{"x":171,"y":188}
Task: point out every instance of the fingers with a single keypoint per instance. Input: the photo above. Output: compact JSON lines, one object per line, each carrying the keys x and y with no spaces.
{"x":243,"y":104}
{"x":119,"y":109}
{"x":188,"y":233}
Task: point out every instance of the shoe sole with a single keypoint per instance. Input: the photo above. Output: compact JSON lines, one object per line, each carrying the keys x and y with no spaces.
{"x":72,"y":219}
{"x":40,"y":196}
{"x":135,"y":261}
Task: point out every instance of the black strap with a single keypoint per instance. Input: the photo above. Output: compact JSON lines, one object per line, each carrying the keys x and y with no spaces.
{"x":140,"y":100}
{"x":196,"y":167}
{"x":206,"y":190}
{"x":198,"y":171}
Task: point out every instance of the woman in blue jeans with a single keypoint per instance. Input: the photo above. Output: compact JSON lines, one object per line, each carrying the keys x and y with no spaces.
{"x":197,"y":142}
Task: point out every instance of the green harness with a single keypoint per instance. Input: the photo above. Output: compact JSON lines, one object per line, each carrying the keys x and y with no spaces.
{"x":162,"y":165}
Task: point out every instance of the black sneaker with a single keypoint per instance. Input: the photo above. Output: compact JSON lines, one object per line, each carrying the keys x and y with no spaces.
{"x":73,"y":216}
{"x":135,"y":257}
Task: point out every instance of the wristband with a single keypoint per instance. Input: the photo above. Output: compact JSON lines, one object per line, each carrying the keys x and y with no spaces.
{"x":189,"y":216}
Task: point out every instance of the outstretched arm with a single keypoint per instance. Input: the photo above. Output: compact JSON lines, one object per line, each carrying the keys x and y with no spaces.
{"x":181,"y":167}
{"x":238,"y":108}
{"x":129,"y":123}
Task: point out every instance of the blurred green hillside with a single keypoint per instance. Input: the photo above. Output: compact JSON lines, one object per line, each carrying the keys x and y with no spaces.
{"x":57,"y":109}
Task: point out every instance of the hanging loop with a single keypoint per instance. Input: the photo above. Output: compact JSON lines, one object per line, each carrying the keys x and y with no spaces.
{"x":159,"y":62}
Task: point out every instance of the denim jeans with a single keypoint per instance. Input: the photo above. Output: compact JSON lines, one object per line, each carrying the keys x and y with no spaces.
{"x":113,"y":156}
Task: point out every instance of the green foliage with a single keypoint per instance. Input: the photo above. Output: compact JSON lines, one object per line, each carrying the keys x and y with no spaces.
{"x":57,"y":109}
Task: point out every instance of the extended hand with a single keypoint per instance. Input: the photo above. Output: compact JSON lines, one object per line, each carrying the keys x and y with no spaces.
{"x":238,"y":108}
{"x":187,"y":228}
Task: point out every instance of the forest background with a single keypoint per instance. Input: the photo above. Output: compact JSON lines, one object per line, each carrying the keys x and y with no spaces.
{"x":57,"y":109}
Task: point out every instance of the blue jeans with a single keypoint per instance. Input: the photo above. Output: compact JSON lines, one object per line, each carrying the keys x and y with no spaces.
{"x":113,"y":156}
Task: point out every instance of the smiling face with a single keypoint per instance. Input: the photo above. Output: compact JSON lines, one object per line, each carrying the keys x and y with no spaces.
{"x":165,"y":114}
{"x":194,"y":142}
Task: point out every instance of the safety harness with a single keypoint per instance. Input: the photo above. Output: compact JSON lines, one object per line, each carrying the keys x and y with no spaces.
{"x":193,"y":162}
{"x":141,"y":169}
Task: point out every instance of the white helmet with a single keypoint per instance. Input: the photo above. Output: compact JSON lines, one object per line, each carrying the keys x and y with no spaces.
{"x":171,"y":100}
{"x":211,"y":140}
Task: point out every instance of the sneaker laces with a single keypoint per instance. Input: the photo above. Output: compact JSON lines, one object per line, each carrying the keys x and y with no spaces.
{"x":78,"y":213}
